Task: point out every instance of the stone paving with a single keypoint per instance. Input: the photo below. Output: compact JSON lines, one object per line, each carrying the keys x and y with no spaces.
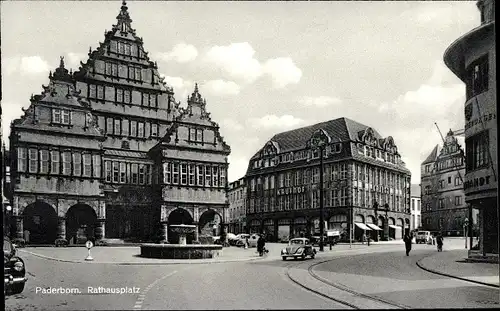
{"x":129,"y":255}
{"x":452,"y":263}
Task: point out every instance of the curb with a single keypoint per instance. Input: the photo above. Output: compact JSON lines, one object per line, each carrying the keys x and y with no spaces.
{"x":419,"y":264}
{"x":144,"y":263}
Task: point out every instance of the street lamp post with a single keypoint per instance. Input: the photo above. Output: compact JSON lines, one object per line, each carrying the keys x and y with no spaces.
{"x":466,"y":224}
{"x":320,"y":139}
{"x":321,"y":220}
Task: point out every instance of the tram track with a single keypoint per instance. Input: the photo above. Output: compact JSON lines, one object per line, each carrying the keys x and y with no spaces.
{"x":351,"y":294}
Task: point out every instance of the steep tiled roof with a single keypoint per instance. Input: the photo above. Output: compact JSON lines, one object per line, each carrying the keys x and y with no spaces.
{"x":432,"y":156}
{"x":415,"y":190}
{"x":341,"y":129}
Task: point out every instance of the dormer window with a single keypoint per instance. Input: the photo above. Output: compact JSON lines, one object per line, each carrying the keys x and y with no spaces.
{"x":61,"y":116}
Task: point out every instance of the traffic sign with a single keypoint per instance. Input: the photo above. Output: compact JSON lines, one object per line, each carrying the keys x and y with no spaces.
{"x":89,"y":244}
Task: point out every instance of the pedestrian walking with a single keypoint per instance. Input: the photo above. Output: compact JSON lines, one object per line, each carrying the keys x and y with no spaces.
{"x":407,"y":241}
{"x":26,"y":236}
{"x":439,"y":241}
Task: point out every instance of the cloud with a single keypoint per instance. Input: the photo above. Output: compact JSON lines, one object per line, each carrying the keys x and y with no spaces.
{"x":441,"y":97}
{"x":221,"y":87}
{"x":181,"y":53}
{"x":231,"y":125}
{"x":283,"y":71}
{"x":26,"y":65}
{"x":182,"y":88}
{"x":238,"y":60}
{"x":320,"y":101}
{"x":412,"y":116}
{"x":73,"y":59}
{"x":274,"y":122}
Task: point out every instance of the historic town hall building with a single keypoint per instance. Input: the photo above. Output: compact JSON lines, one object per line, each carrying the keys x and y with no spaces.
{"x":366,"y":185}
{"x":107,"y":152}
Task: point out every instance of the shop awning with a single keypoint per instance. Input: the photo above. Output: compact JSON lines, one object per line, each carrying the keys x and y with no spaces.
{"x":395,"y":227}
{"x":362,"y":226}
{"x":374,"y":227}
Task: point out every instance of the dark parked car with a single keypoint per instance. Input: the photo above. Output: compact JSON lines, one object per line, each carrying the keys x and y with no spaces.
{"x":14,"y":270}
{"x":298,"y":248}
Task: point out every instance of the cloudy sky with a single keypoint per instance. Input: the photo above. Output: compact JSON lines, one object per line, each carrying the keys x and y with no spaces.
{"x":266,"y":67}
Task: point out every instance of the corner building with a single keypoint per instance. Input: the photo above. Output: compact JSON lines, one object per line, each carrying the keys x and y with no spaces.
{"x":472,"y":58}
{"x":366,"y":185}
{"x":106,"y":152}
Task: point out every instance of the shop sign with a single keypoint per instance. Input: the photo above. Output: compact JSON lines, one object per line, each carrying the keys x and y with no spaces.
{"x":476,"y":182}
{"x":292,"y":190}
{"x":486,"y":118}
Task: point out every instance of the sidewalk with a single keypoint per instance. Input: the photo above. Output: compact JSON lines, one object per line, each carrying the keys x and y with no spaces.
{"x":452,"y":263}
{"x":130,"y":255}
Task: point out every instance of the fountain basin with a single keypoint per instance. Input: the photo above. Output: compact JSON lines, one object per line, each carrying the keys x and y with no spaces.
{"x":176,"y":251}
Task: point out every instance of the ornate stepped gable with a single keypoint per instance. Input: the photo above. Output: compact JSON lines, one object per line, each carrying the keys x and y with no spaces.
{"x":60,"y":94}
{"x":193,"y":116}
{"x":451,"y":146}
{"x":125,"y":50}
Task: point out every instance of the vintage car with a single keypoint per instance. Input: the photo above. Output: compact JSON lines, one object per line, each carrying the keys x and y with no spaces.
{"x":423,"y":237}
{"x":14,"y":270}
{"x":298,"y":248}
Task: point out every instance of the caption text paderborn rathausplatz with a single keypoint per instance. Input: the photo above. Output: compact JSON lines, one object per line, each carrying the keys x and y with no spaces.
{"x":89,"y":290}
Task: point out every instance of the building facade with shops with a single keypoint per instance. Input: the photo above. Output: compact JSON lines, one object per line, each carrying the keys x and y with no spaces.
{"x":472,"y":58}
{"x":237,"y":206}
{"x":443,"y":200}
{"x":366,"y":186}
{"x":416,"y":208}
{"x":106,"y":152}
